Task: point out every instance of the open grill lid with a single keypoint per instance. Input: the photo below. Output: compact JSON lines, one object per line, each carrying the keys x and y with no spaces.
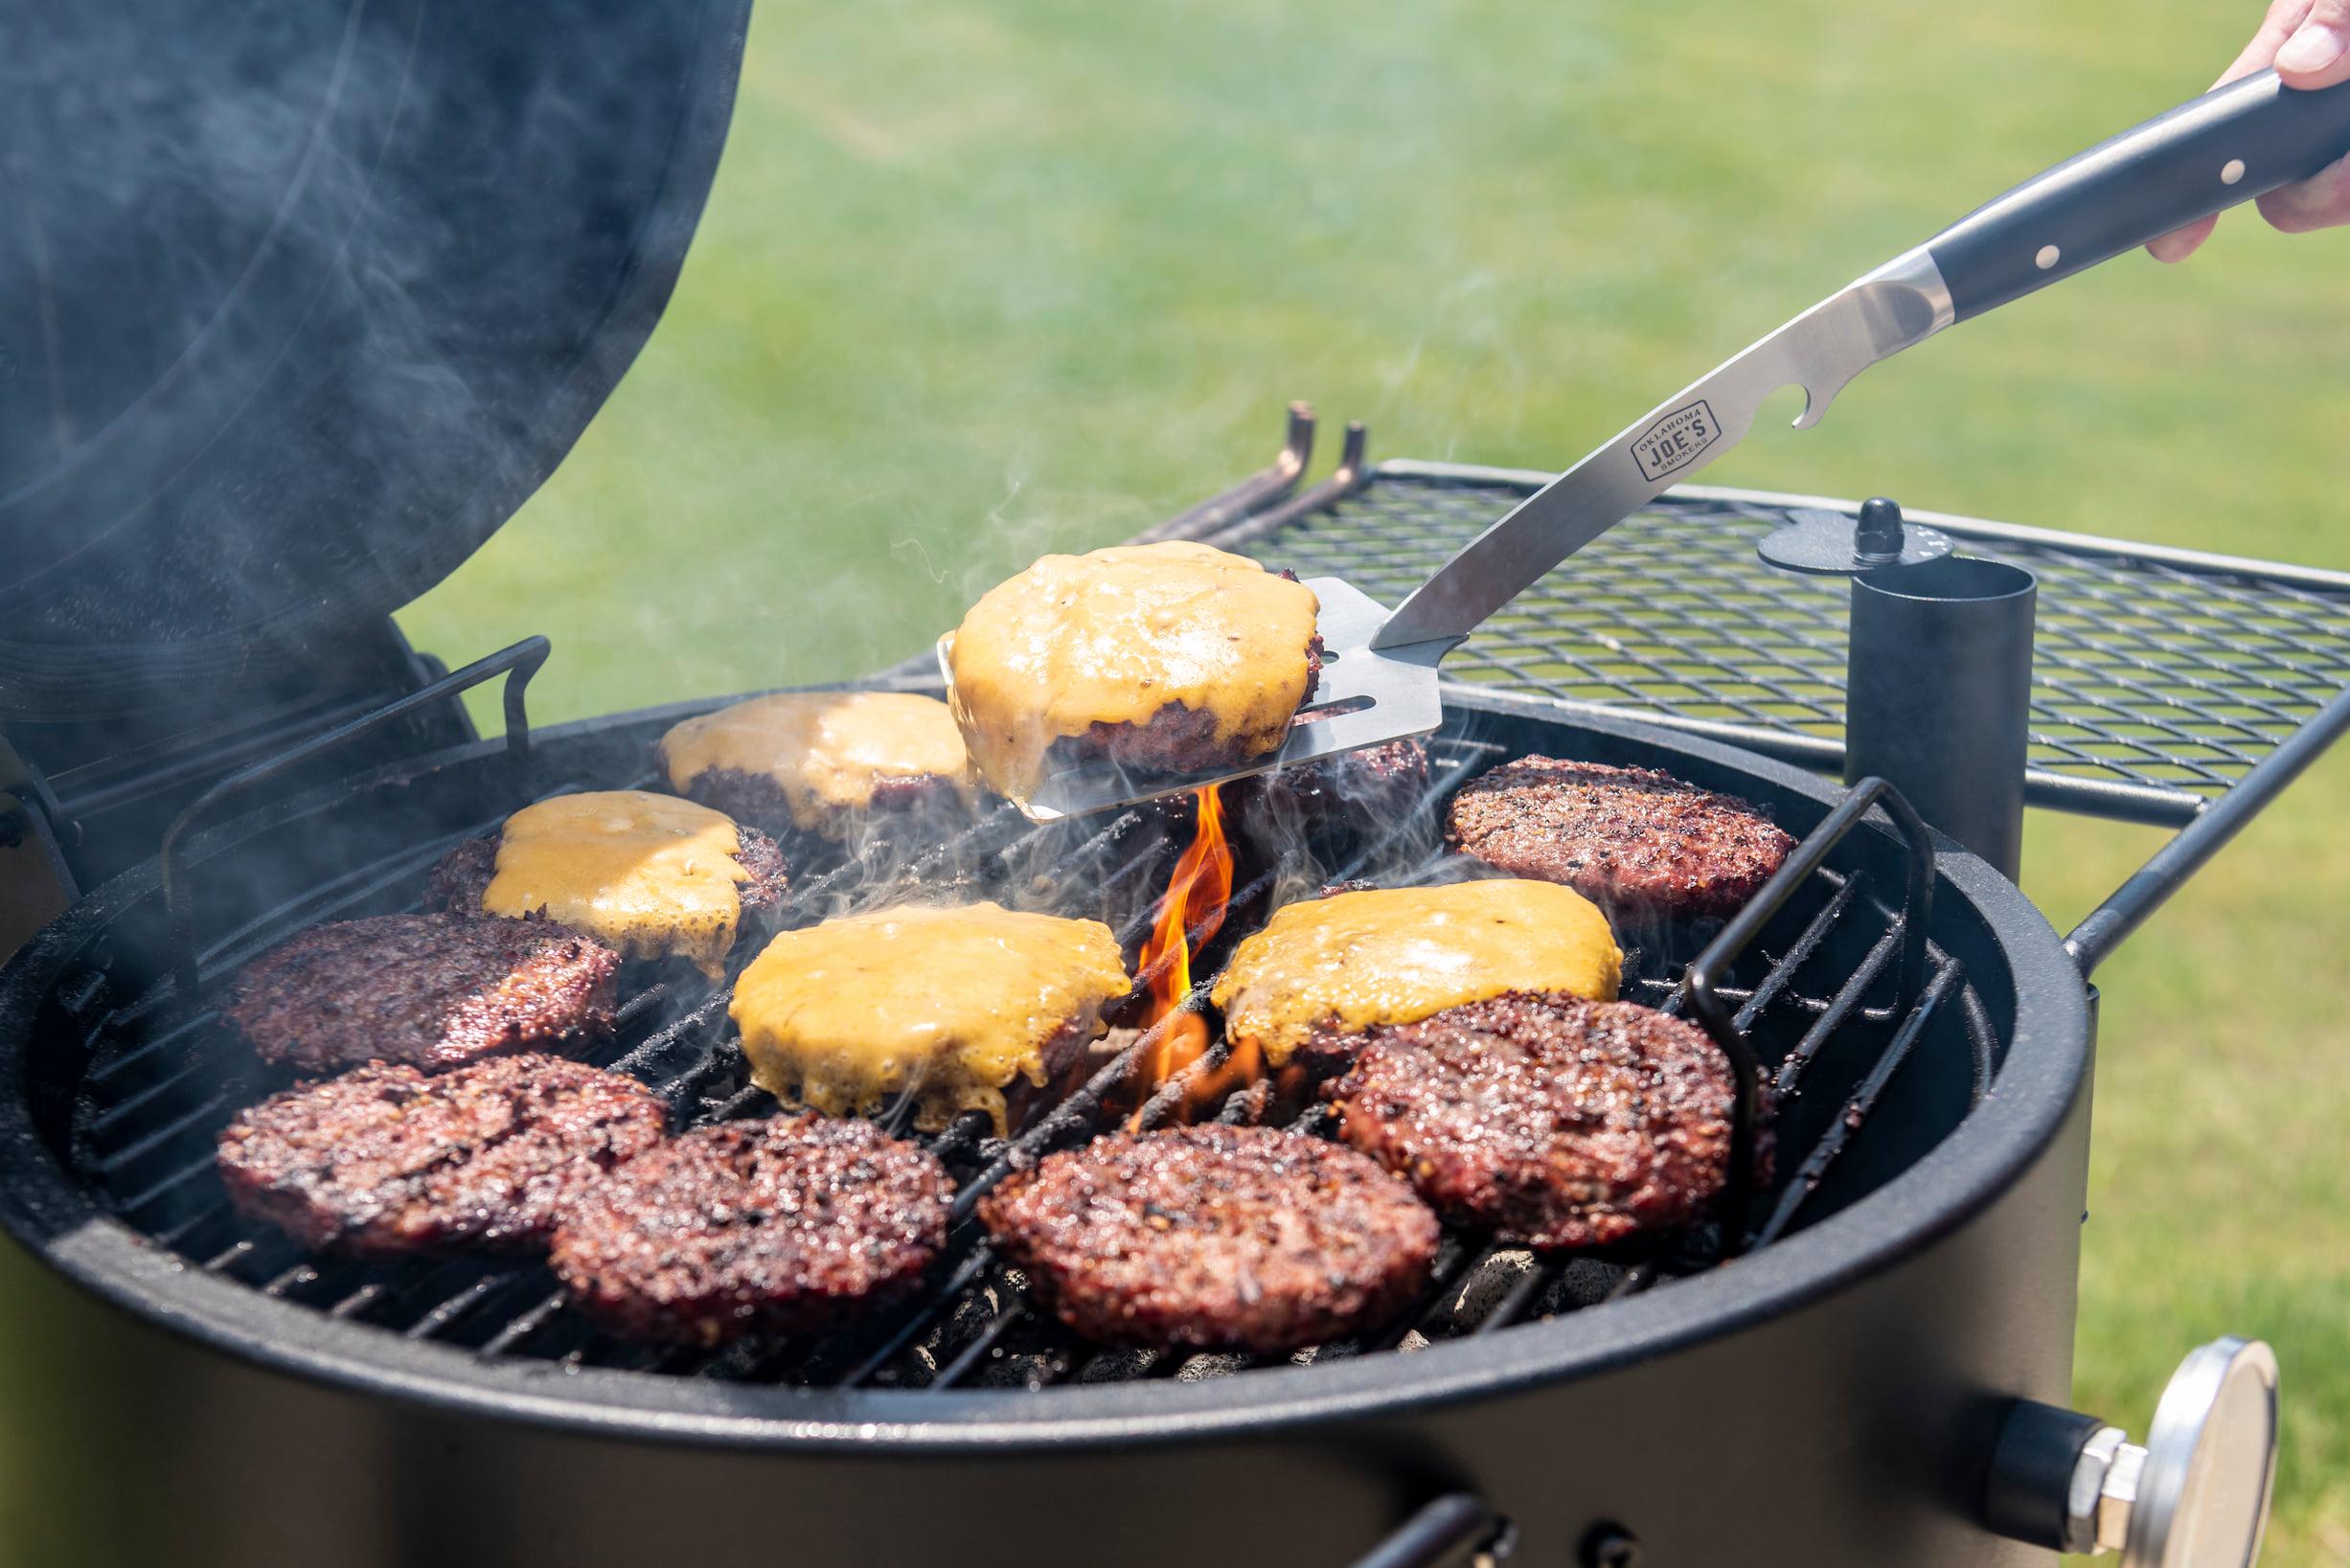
{"x":301,"y":299}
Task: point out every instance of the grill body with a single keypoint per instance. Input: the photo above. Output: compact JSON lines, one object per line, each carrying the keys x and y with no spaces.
{"x":1830,"y":1398}
{"x":1848,"y":1430}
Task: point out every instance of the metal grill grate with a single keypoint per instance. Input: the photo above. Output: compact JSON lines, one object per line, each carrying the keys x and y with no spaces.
{"x":1818,"y":999}
{"x":2161,"y":676}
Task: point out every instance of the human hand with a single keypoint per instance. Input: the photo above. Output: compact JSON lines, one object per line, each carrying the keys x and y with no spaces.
{"x":2309,"y":43}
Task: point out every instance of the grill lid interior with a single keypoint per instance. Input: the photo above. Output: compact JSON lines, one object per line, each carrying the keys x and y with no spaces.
{"x":301,"y":302}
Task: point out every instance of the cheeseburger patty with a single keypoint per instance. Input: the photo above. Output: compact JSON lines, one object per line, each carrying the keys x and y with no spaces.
{"x":1321,"y":970}
{"x":1214,"y":1237}
{"x":461,"y":876}
{"x":921,"y":801}
{"x":1166,"y":657}
{"x":1175,"y":738}
{"x":961,"y":1007}
{"x":1546,"y":1118}
{"x":435,"y":991}
{"x":387,"y":1159}
{"x":785,"y":1225}
{"x":1628,"y":837}
{"x":825,"y":763}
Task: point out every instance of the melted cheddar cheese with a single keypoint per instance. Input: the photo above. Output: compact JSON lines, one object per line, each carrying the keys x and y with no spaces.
{"x":648,"y":875}
{"x":1114,"y":637}
{"x":951,"y":1002}
{"x":826,"y":750}
{"x":1394,"y":956}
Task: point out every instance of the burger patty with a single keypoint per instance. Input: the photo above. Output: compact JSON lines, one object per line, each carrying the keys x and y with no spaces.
{"x":1173,"y":739}
{"x":435,"y":991}
{"x":460,"y":878}
{"x":1319,"y":802}
{"x":1062,"y":1053}
{"x":785,"y":1225}
{"x":1626,"y":838}
{"x":1365,"y":788}
{"x":1214,"y":1237}
{"x":916,"y":800}
{"x":387,"y":1159}
{"x":1545,"y":1119}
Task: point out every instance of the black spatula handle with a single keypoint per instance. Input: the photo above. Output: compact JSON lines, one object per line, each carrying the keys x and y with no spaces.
{"x":2231,"y":145}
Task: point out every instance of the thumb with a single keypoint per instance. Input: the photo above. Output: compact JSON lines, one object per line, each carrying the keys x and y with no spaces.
{"x":2317,"y":54}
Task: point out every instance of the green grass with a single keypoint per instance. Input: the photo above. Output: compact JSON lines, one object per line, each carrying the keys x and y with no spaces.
{"x":976,"y":282}
{"x":980,"y":280}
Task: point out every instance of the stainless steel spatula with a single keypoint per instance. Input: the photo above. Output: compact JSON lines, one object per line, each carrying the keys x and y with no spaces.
{"x":1379,"y":680}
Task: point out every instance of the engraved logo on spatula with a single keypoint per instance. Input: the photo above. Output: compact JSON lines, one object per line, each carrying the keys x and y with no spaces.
{"x":1676,"y":439}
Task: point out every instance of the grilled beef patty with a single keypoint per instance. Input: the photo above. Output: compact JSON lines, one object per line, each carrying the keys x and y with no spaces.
{"x":460,"y":878}
{"x":1214,"y":1237}
{"x":387,"y":1159}
{"x":919,"y":802}
{"x":1175,"y":738}
{"x":785,"y":1225}
{"x":1545,"y":1119}
{"x":1627,"y":838}
{"x":435,"y":991}
{"x":832,"y":764}
{"x":1369,"y":788}
{"x":1326,"y":804}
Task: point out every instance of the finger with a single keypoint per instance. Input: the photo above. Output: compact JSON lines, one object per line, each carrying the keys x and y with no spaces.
{"x":2319,"y":203}
{"x":2181,"y":243}
{"x":2317,"y":54}
{"x":2283,"y":19}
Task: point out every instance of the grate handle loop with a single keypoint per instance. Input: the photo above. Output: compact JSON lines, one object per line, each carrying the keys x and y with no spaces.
{"x":517,"y":664}
{"x":1701,"y":982}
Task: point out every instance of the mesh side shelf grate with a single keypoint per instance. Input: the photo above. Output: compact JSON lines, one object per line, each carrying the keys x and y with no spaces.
{"x":162,"y":1085}
{"x":2168,"y":677}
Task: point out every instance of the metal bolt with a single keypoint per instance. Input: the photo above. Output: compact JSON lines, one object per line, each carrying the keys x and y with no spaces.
{"x":1878,"y":540}
{"x":2084,"y":1504}
{"x":2117,"y":1497}
{"x":2105,"y":1489}
{"x":1610,"y":1546}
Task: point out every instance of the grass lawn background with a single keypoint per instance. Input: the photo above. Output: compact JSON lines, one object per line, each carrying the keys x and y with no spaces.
{"x":977,"y":282}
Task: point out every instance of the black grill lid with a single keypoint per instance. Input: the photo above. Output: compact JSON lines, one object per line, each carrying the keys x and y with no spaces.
{"x":301,"y":299}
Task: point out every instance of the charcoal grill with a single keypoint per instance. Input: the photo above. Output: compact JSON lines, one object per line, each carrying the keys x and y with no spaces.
{"x":1864,"y":1360}
{"x":1893,"y":988}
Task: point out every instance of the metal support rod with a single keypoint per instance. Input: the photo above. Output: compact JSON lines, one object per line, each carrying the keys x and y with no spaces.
{"x":1442,"y":1532}
{"x":2152,"y":885}
{"x":1349,"y":476}
{"x":518,"y":664}
{"x":1251,"y":495}
{"x":1938,"y":695}
{"x":1704,"y":978}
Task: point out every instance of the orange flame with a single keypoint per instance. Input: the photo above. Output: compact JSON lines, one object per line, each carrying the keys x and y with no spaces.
{"x":1193,"y":909}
